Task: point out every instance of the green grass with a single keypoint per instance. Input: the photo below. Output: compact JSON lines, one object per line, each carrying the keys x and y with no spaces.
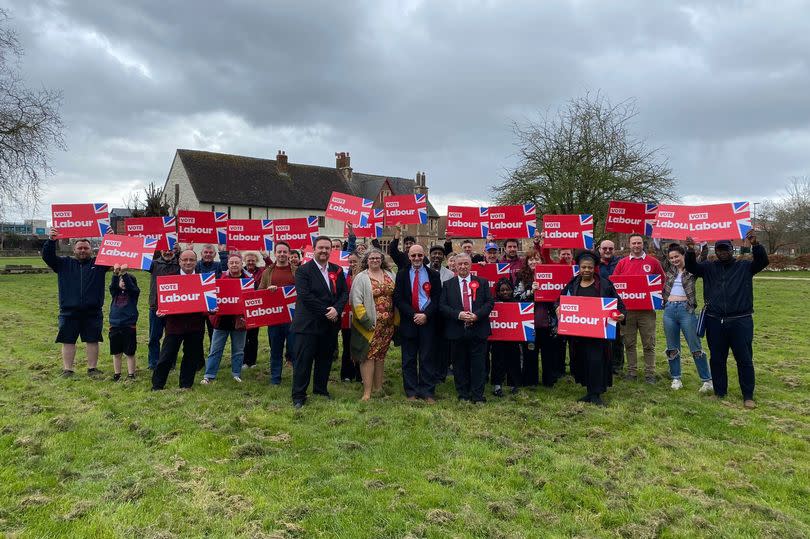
{"x":94,"y":458}
{"x":35,"y":261}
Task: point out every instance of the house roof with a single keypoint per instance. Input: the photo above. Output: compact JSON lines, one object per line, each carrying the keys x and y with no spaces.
{"x":250,"y":181}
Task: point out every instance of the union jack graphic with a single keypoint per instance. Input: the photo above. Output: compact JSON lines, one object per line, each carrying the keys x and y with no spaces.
{"x":169,"y":221}
{"x":220,"y":217}
{"x":656,"y":296}
{"x":422,"y":199}
{"x":208,"y":279}
{"x":650,"y":211}
{"x":367,"y":205}
{"x":743,"y":223}
{"x":527,"y":309}
{"x":586,"y":221}
{"x":100,"y":208}
{"x":291,"y":310}
{"x":247,"y":284}
{"x":575,"y":270}
{"x":610,"y":304}
{"x":483,"y":216}
{"x":104,"y":227}
{"x":211,"y":299}
{"x":288,"y":291}
{"x":503,"y":269}
{"x":146,"y":261}
{"x":150,"y":243}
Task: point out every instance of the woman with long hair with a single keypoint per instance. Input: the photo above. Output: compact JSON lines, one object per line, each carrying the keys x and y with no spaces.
{"x":373,"y":324}
{"x":349,"y":371}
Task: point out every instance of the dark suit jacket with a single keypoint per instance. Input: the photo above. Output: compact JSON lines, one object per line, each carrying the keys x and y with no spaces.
{"x":451,"y":306}
{"x":314,"y":297}
{"x":402,"y":299}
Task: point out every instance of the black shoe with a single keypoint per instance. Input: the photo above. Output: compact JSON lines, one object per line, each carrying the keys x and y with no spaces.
{"x":93,"y":373}
{"x":498,"y":392}
{"x":515,"y":390}
{"x":67,"y":373}
{"x":482,"y":401}
{"x":597,"y":400}
{"x":630,"y":377}
{"x":652,"y":379}
{"x":298,"y":405}
{"x":131,"y":377}
{"x":326,"y":395}
{"x":586,"y":398}
{"x":116,"y":376}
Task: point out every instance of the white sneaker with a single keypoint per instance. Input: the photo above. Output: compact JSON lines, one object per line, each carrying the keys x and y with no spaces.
{"x":707,"y":387}
{"x":205,"y":381}
{"x":237,"y":379}
{"x":676,"y":384}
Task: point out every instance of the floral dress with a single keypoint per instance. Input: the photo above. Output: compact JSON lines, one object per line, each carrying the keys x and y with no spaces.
{"x":383,"y":293}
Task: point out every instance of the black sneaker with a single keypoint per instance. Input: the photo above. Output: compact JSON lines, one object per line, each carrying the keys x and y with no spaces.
{"x":498,"y":392}
{"x":585,"y":398}
{"x":93,"y":373}
{"x":298,"y":405}
{"x":66,"y":373}
{"x":130,"y":377}
{"x":515,"y":390}
{"x":597,"y":400}
{"x":116,"y":376}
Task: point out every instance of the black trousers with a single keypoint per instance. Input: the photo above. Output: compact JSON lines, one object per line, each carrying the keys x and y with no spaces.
{"x":192,"y":358}
{"x":506,"y":361}
{"x":618,"y":350}
{"x":312,"y":352}
{"x":349,"y":370}
{"x":251,"y":347}
{"x":442,"y":355}
{"x":469,"y":368}
{"x":736,"y":334}
{"x":552,"y":356}
{"x":418,"y":366}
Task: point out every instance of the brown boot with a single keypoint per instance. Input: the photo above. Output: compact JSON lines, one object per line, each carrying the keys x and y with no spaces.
{"x":749,"y":404}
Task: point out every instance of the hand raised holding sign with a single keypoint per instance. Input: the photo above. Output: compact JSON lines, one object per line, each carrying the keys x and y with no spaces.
{"x":751,"y":236}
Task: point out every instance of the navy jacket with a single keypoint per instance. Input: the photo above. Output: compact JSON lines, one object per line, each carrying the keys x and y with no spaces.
{"x":606,"y":270}
{"x":728,"y":287}
{"x":124,"y":304}
{"x":81,"y":284}
{"x":160,"y":268}
{"x":215,"y":266}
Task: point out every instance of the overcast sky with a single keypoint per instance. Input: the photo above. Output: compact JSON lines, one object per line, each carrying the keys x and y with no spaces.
{"x":411,"y":85}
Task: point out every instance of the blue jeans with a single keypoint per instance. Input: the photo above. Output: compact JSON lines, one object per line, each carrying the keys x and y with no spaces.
{"x":677,"y":320}
{"x":218,"y":346}
{"x":156,"y":326}
{"x":276,"y":335}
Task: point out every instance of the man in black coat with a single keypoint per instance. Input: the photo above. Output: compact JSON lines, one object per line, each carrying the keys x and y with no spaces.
{"x":416,"y":295}
{"x":728,"y":294}
{"x":321,"y":296}
{"x":465,"y":304}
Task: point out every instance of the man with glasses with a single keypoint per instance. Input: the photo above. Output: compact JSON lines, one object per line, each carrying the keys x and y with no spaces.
{"x":607,"y":265}
{"x":416,"y":295}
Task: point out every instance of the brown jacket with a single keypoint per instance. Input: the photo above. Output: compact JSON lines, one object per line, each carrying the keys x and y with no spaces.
{"x":267,"y":275}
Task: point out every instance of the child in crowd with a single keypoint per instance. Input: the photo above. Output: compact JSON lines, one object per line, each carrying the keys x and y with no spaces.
{"x":123,"y":319}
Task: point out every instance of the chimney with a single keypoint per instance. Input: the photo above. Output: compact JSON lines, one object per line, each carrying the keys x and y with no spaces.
{"x":419,"y":187}
{"x":343,"y":163}
{"x":281,"y":162}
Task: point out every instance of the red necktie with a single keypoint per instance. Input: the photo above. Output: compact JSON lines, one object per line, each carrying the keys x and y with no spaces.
{"x":465,"y":291}
{"x":415,"y":291}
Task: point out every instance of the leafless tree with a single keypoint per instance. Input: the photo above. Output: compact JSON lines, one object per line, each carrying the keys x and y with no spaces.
{"x":578,"y":159}
{"x":150,"y":203}
{"x":30,"y":127}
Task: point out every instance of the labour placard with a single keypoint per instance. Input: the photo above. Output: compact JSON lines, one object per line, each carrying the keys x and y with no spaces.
{"x":568,"y":231}
{"x":81,"y":220}
{"x":405,"y":210}
{"x":163,"y":229}
{"x":640,"y":292}
{"x":631,"y":217}
{"x":229,"y":294}
{"x":467,"y":222}
{"x":588,"y":317}
{"x":135,"y":252}
{"x":298,"y":232}
{"x":711,"y":222}
{"x":512,"y":321}
{"x":180,"y":294}
{"x":250,"y":234}
{"x":202,"y":227}
{"x":374,"y":228}
{"x":512,"y":221}
{"x":269,"y":307}
{"x":551,"y":280}
{"x":349,"y":208}
{"x":491,"y":272}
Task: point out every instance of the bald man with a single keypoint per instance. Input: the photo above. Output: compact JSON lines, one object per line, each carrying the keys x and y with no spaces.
{"x":181,"y":329}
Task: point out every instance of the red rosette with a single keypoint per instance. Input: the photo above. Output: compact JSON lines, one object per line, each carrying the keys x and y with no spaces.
{"x":615,"y":315}
{"x":473,"y":287}
{"x":426,"y":288}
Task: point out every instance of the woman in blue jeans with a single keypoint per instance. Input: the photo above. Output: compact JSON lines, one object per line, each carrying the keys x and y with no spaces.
{"x":680,"y":302}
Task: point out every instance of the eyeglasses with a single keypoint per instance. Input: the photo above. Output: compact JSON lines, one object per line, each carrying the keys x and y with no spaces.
{"x":417,"y":256}
{"x":607,"y":248}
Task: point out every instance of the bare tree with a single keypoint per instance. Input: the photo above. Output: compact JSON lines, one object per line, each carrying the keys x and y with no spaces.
{"x":774,"y":220}
{"x":150,"y":203}
{"x":30,"y":127}
{"x":786,"y":221}
{"x":577,"y":160}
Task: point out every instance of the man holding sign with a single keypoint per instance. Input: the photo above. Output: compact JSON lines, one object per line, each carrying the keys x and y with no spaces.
{"x":81,"y":298}
{"x":639,"y":321}
{"x":728,"y":293}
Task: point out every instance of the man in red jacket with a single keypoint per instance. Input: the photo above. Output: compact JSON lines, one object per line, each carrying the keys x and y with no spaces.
{"x":639,"y":263}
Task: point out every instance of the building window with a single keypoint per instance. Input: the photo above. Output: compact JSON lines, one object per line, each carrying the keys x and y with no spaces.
{"x":250,"y":213}
{"x":321,"y":221}
{"x":176,"y":195}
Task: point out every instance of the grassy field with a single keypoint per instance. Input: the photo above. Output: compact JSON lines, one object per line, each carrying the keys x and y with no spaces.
{"x":92,"y":458}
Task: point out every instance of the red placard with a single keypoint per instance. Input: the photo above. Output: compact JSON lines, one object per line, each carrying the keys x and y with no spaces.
{"x":568,"y":231}
{"x":640,"y":292}
{"x":180,"y":294}
{"x":250,"y":234}
{"x":269,"y":308}
{"x":491,"y":272}
{"x":729,"y":221}
{"x":135,"y":252}
{"x":374,"y":228}
{"x":405,"y":210}
{"x":229,"y":294}
{"x":162,"y":229}
{"x":81,"y":220}
{"x":512,"y":321}
{"x":551,"y":280}
{"x":202,"y":226}
{"x":630,"y":217}
{"x":299,"y":232}
{"x":512,"y":221}
{"x":588,"y":317}
{"x":467,"y":222}
{"x":350,"y":209}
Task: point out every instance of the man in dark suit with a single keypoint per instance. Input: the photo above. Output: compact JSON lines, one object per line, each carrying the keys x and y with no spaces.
{"x":465,"y":304}
{"x":321,"y":295}
{"x":416,"y":295}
